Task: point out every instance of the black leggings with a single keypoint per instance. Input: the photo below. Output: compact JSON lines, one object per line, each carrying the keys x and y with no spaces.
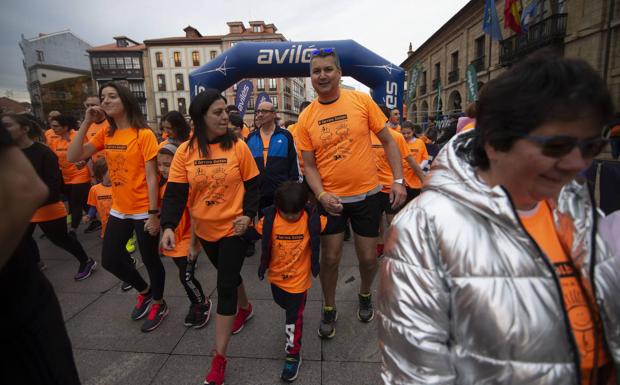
{"x":227,"y":255}
{"x":77,"y":194}
{"x":116,"y":259}
{"x":56,"y":231}
{"x":190,"y":283}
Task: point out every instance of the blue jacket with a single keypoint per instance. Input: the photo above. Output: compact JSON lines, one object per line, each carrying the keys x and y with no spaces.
{"x":282,"y":164}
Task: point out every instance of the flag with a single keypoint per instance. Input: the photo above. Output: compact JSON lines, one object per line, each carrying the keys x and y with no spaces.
{"x":490,"y":24}
{"x":262,"y":97}
{"x":472,"y":83}
{"x":512,"y":15}
{"x":528,"y":15}
{"x":242,"y":98}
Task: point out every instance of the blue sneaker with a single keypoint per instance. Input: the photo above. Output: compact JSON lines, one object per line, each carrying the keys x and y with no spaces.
{"x":85,"y":270}
{"x":290,"y":371}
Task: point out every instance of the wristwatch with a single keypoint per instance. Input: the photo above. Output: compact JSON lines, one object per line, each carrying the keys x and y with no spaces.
{"x":399,"y":180}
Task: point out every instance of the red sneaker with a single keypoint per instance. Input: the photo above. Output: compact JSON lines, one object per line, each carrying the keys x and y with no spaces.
{"x":218,"y":369}
{"x":243,"y":315}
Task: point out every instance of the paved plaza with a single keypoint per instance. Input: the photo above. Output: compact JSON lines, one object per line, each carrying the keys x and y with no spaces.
{"x":110,"y":349}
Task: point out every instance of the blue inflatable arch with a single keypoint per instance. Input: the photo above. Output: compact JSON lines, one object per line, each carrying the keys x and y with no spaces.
{"x":291,"y":59}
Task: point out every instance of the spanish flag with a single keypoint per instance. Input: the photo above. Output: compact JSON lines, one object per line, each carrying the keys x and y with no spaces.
{"x":512,"y":15}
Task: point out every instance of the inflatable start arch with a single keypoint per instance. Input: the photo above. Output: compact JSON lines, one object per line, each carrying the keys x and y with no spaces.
{"x":291,"y":59}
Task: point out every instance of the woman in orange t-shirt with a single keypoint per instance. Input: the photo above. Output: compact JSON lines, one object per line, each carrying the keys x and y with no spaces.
{"x":217,"y":174}
{"x":76,"y":176}
{"x":130,"y":150}
{"x":52,"y":216}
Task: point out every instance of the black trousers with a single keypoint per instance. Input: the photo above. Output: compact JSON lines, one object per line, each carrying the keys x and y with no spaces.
{"x":56,"y":231}
{"x":192,"y":286}
{"x":227,"y":255}
{"x":294,"y":305}
{"x":77,"y":194}
{"x":116,"y":259}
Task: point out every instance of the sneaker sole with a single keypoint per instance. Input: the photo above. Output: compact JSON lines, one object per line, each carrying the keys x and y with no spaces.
{"x":296,"y":374}
{"x":157,"y":324}
{"x":144,"y":313}
{"x":126,"y":288}
{"x":329,"y":336}
{"x":368,"y":320}
{"x":89,"y":273}
{"x":246,"y":321}
{"x":200,"y":326}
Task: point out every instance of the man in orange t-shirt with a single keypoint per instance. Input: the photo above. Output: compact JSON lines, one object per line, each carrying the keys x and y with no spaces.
{"x":334,"y":137}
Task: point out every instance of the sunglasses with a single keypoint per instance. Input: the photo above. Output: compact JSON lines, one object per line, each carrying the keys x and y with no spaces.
{"x":559,"y":146}
{"x":323,"y":51}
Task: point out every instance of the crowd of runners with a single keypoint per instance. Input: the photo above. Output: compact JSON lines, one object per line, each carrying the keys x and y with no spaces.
{"x":461,"y":258}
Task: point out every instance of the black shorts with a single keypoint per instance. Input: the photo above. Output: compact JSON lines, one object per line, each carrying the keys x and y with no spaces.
{"x":364,"y":215}
{"x":386,"y":206}
{"x":412,"y":193}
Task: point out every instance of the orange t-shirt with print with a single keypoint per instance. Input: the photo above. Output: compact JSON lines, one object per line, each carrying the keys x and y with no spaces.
{"x":215,"y":185}
{"x":126,"y":153}
{"x":49,"y":135}
{"x":541,"y":227}
{"x":100,"y":197}
{"x":417,"y":149}
{"x":265,"y":139}
{"x":290,"y":267}
{"x":182,"y":234}
{"x":49,"y":212}
{"x":93,"y":129}
{"x":384,"y":171}
{"x":293,"y":130}
{"x":70,"y":173}
{"x":339,"y":135}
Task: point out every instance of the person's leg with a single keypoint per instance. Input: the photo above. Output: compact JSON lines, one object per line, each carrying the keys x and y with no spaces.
{"x":190,"y":283}
{"x":78,"y":194}
{"x":149,"y":250}
{"x":56,"y":231}
{"x":615,"y":146}
{"x":365,"y":248}
{"x":295,"y":304}
{"x":114,"y":256}
{"x":331,"y":254}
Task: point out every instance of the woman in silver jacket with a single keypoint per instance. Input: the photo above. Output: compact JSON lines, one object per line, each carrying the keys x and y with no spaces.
{"x":467,"y":295}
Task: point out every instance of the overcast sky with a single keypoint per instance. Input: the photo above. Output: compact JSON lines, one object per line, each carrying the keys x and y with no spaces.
{"x":385,"y":27}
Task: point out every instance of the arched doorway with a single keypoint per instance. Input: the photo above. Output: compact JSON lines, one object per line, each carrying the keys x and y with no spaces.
{"x":454,"y":103}
{"x":424,"y":112}
{"x":437,"y":109}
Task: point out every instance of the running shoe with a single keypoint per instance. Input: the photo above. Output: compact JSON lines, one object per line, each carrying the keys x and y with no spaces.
{"x":327,"y":327}
{"x":365,"y":312}
{"x":290,"y":371}
{"x":85,"y":270}
{"x":142,"y":306}
{"x":158,"y":312}
{"x":131,"y":245}
{"x":126,"y":286}
{"x":218,"y":369}
{"x":203,"y":313}
{"x":243,"y":316}
{"x":93,"y":226}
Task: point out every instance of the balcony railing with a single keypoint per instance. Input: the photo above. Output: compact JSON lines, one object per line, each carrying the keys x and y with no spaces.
{"x":478,"y":63}
{"x":453,"y":76}
{"x":549,"y":31}
{"x":140,"y":95}
{"x":423,"y":89}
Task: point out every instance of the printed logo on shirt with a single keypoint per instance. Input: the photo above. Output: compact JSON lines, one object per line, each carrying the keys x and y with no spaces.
{"x":212,"y":180}
{"x":104,"y":197}
{"x":335,"y":139}
{"x":60,"y":149}
{"x":118,"y":169}
{"x":207,"y":162}
{"x":332,"y":119}
{"x":117,"y":147}
{"x":291,"y":248}
{"x":293,"y":237}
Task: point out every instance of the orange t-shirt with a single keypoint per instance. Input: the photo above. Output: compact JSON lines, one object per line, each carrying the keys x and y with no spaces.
{"x":49,"y":135}
{"x":215,"y":185}
{"x":469,"y":126}
{"x":541,"y":227}
{"x":290,"y":267}
{"x":293,"y":130}
{"x":126,"y":153}
{"x":182,"y":234}
{"x":265,"y":140}
{"x":397,"y":128}
{"x":339,"y":135}
{"x":93,"y":129}
{"x":417,"y":149}
{"x":383,"y":166}
{"x":100,"y":197}
{"x":70,"y":173}
{"x":49,"y":212}
{"x":425,"y":139}
{"x":245,"y":131}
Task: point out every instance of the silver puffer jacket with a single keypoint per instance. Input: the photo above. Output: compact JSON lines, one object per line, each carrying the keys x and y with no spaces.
{"x":465,"y":295}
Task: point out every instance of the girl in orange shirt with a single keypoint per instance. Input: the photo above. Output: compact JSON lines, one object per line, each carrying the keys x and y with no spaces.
{"x":130,"y":150}
{"x":175,"y":128}
{"x":217,"y":174}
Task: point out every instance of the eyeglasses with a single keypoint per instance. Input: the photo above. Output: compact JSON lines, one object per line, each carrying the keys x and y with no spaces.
{"x":264,"y":111}
{"x":559,"y":146}
{"x":323,"y":52}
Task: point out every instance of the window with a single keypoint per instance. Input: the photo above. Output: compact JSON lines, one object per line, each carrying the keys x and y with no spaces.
{"x":257,"y":28}
{"x":95,"y":63}
{"x":423,"y":80}
{"x":128,"y":63}
{"x":272,"y":84}
{"x":177,"y":58}
{"x":213,"y":54}
{"x":120,"y":63}
{"x":40,"y":56}
{"x":163,"y":106}
{"x":136,"y":63}
{"x":181,"y":106}
{"x":274,"y":101}
{"x":161,"y":82}
{"x":104,"y":63}
{"x":196,"y":58}
{"x":159,"y":59}
{"x":455,"y":61}
{"x":260,"y":84}
{"x":479,"y":47}
{"x":179,"y":81}
{"x":251,"y":102}
{"x":437,"y":70}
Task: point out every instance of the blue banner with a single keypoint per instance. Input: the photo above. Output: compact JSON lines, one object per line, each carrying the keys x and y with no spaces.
{"x":244,"y":93}
{"x":262,"y":97}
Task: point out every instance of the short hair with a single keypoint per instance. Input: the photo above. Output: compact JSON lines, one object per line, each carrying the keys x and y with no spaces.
{"x":91,"y":96}
{"x":407,"y":124}
{"x":326,"y":52}
{"x":66,"y":121}
{"x":100,"y":167}
{"x":470,"y":110}
{"x":291,"y":197}
{"x":542,"y":88}
{"x":230,"y":108}
{"x":236,"y":120}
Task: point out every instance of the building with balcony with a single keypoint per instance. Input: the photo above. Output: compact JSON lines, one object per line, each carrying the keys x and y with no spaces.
{"x":121,"y":61}
{"x":589,"y":30}
{"x":57,"y":72}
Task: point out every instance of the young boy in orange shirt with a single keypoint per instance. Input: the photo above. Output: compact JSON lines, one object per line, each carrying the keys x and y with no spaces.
{"x":185,"y":251}
{"x":291,"y":232}
{"x":100,"y":196}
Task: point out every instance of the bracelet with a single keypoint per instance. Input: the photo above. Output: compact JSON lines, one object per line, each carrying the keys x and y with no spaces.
{"x":318,"y":197}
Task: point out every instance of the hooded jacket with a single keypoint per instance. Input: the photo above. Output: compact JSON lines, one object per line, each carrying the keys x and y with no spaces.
{"x":467,"y":297}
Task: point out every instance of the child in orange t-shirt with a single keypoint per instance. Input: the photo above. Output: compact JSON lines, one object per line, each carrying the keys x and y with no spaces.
{"x":185,"y":251}
{"x":291,"y":232}
{"x":100,"y":196}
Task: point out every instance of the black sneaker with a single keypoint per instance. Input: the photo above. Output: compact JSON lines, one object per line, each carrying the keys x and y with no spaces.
{"x":290,"y":371}
{"x":327,"y":327}
{"x":126,"y":286}
{"x":85,"y":270}
{"x":142,"y":306}
{"x":93,"y":226}
{"x":158,"y":312}
{"x":365,"y":312}
{"x":190,"y":318}
{"x":202,"y":314}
